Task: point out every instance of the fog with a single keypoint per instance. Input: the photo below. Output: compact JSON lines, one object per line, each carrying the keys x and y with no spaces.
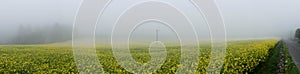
{"x":260,"y":18}
{"x":37,"y":14}
{"x":244,"y":19}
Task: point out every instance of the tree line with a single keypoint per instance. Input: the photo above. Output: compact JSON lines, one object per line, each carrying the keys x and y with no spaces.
{"x":27,"y":34}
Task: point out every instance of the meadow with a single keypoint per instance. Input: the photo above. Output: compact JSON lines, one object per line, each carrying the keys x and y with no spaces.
{"x":242,"y":56}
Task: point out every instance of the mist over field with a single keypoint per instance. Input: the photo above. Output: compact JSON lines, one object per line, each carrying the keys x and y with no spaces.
{"x":51,"y":21}
{"x":150,"y":36}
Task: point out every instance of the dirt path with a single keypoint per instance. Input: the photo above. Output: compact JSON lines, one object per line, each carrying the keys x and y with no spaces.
{"x":294,"y":50}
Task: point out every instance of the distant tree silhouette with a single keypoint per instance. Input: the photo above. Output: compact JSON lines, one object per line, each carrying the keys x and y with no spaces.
{"x":59,"y":33}
{"x":40,"y":35}
{"x":21,"y":35}
{"x":297,"y":34}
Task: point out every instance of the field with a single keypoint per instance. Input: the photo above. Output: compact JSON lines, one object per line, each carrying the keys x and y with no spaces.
{"x":241,"y":57}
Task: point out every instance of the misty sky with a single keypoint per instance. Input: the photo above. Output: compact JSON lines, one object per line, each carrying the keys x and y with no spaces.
{"x":243,"y":18}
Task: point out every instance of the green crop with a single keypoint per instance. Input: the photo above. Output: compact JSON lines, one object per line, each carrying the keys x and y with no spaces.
{"x":242,"y":57}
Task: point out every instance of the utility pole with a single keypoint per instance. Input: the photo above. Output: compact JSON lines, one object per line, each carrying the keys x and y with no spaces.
{"x":156,"y":35}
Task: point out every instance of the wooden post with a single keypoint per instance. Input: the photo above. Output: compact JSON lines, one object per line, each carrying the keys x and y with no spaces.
{"x":156,"y":35}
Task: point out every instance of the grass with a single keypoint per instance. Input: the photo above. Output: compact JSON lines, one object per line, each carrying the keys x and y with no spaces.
{"x":270,"y":66}
{"x":290,"y":67}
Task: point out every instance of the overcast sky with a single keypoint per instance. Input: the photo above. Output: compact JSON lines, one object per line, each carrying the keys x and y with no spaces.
{"x":243,"y":18}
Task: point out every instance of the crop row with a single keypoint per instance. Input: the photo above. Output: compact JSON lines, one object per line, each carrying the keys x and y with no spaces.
{"x":241,"y":57}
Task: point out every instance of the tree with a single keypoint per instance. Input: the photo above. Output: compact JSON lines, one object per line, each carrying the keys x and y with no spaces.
{"x":20,"y":35}
{"x":297,"y":34}
{"x":41,"y":35}
{"x":59,"y":33}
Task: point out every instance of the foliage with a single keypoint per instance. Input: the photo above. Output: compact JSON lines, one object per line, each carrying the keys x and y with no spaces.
{"x":31,"y":59}
{"x":270,"y":65}
{"x":297,"y":34}
{"x":27,"y":34}
{"x":242,"y":57}
{"x":290,"y":67}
